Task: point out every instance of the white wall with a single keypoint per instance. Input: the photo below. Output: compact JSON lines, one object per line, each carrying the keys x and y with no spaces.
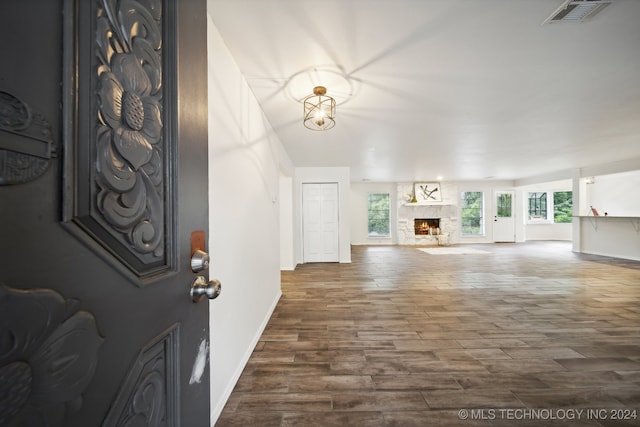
{"x":617,"y":194}
{"x":612,"y":236}
{"x":614,"y":191}
{"x":549,"y":231}
{"x":245,"y":164}
{"x":340,"y":175}
{"x":287,"y":254}
{"x":359,"y":212}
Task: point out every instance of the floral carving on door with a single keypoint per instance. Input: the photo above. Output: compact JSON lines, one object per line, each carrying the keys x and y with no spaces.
{"x":121,"y":174}
{"x":47,"y":362}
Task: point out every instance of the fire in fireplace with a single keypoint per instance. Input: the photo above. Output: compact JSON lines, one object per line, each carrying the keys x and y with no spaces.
{"x":426,"y":226}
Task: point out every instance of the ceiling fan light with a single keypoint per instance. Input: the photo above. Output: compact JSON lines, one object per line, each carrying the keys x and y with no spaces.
{"x":319,"y":110}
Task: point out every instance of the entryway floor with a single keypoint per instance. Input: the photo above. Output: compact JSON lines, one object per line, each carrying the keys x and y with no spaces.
{"x":524,"y":334}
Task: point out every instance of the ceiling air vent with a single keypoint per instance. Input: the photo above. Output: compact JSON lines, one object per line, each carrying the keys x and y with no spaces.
{"x":577,"y":11}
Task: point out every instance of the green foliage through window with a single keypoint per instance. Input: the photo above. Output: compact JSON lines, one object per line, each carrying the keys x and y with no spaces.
{"x":472,"y":210}
{"x":504,"y":205}
{"x":562,"y":206}
{"x":378,"y":215}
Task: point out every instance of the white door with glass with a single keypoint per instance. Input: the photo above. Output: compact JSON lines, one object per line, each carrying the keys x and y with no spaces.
{"x":320,"y":222}
{"x":504,"y":225}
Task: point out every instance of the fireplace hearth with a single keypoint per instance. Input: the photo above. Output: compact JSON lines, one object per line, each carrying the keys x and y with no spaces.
{"x":426,"y":226}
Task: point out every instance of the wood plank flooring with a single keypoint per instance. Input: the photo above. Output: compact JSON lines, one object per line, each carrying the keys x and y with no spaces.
{"x":524,"y":334}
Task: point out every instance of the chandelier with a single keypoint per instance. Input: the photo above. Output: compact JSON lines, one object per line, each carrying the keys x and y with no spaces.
{"x":319,"y":110}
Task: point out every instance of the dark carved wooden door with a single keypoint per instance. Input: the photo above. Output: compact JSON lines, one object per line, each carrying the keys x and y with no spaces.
{"x":103,"y":200}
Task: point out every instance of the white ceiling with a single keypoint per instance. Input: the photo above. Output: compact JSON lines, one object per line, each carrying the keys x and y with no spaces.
{"x":443,"y":89}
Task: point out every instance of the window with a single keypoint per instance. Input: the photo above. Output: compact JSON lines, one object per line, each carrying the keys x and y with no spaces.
{"x":378,"y":215}
{"x":537,"y":206}
{"x":562,"y":206}
{"x":472,"y":209}
{"x":504,"y":205}
{"x":558,"y":209}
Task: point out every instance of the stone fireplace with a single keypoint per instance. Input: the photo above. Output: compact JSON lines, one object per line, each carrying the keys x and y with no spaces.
{"x":427,"y":224}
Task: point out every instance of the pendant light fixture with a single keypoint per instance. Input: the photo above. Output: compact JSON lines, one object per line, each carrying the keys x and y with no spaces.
{"x":319,"y":110}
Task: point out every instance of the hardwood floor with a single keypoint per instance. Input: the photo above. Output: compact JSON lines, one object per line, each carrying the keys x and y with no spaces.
{"x":523,"y":334}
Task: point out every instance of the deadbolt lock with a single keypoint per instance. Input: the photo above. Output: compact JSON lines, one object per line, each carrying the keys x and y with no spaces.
{"x":199,"y":261}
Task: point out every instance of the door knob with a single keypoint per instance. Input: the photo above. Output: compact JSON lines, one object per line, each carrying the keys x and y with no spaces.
{"x":199,"y":261}
{"x":200,"y":288}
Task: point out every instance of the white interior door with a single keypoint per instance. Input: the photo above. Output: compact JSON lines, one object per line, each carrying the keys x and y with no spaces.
{"x":504,"y":225}
{"x":320,"y":222}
